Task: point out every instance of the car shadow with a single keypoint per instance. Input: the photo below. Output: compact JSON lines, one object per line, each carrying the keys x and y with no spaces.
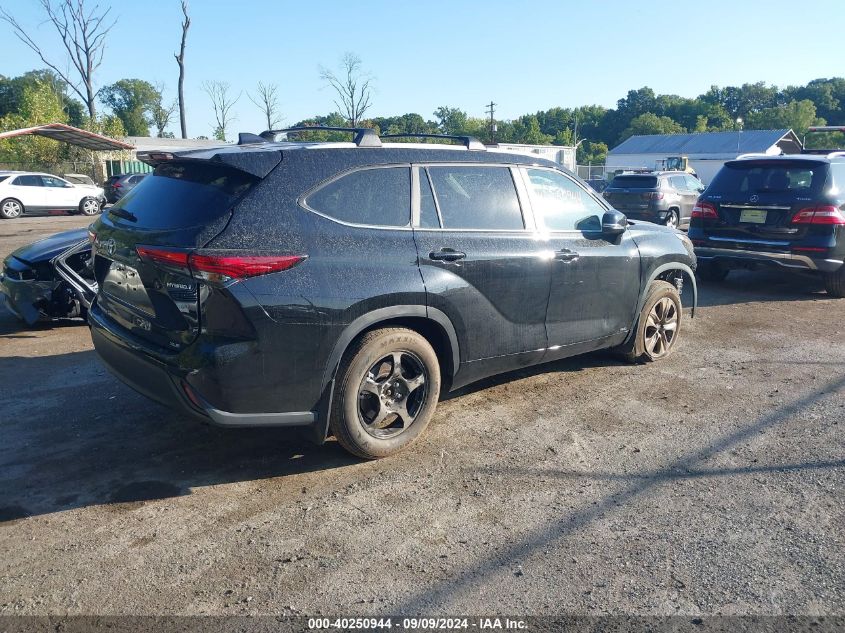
{"x":753,"y":286}
{"x":12,"y":327}
{"x":82,"y":438}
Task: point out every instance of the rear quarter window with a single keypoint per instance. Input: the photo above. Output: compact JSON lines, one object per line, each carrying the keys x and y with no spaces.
{"x":373,"y":197}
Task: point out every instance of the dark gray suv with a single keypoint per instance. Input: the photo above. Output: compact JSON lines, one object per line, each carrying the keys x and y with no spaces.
{"x":345,"y":286}
{"x":664,"y":197}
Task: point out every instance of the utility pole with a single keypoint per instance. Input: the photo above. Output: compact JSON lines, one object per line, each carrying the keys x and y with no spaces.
{"x":491,"y":111}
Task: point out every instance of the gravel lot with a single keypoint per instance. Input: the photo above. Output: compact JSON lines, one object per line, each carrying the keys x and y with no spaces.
{"x":711,"y":482}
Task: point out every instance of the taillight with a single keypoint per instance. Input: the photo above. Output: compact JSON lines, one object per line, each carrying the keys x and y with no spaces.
{"x":116,"y":185}
{"x":216,"y":266}
{"x":652,"y":195}
{"x":704,"y":210}
{"x":219,"y":267}
{"x":819,"y":215}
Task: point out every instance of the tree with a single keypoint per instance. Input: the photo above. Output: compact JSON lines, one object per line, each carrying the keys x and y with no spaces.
{"x":132,"y":101}
{"x":161,"y":114}
{"x":39,"y":104}
{"x":796,"y":115}
{"x":267,"y":100}
{"x":83,"y":36}
{"x":222,"y":102}
{"x":649,"y":123}
{"x":353,"y":88}
{"x":526,"y":130}
{"x":451,"y":120}
{"x":591,"y":153}
{"x":180,"y":59}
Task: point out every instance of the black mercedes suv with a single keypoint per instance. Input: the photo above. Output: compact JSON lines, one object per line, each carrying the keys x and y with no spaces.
{"x":784,"y":212}
{"x":345,"y":286}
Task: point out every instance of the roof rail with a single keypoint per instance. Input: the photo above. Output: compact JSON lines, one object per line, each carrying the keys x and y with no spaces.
{"x":364,"y":136}
{"x":826,"y":128}
{"x":469,"y":141}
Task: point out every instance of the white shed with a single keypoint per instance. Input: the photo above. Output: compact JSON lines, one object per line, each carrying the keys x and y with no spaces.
{"x":706,"y":151}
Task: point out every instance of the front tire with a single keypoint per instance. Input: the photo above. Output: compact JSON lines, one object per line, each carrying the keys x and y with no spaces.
{"x":387,"y":389}
{"x":10,"y":209}
{"x":834,"y":283}
{"x":89,"y":206}
{"x":658,"y":325}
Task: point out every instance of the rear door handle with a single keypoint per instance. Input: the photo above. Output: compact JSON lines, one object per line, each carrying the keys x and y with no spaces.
{"x":446,"y":255}
{"x":565,"y":255}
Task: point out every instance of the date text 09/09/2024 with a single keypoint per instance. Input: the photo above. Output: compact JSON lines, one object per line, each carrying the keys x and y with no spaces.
{"x":417,"y":624}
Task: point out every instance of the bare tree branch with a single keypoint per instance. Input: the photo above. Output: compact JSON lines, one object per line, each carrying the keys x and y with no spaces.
{"x":161,"y":113}
{"x":353,"y":88}
{"x":83,"y":35}
{"x":180,"y":59}
{"x":222,"y":102}
{"x":267,"y":101}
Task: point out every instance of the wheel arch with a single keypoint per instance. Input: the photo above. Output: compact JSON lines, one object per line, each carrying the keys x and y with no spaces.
{"x":666,"y":272}
{"x":430,"y":323}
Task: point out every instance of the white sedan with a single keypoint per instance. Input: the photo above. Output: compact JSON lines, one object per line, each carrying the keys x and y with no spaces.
{"x":33,"y":193}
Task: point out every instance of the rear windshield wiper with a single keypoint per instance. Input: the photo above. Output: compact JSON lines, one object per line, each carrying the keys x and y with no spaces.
{"x":123,"y":213}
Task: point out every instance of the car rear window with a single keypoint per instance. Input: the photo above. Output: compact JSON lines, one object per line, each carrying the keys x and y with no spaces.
{"x":183,"y":194}
{"x":635,"y":182}
{"x":793,"y":177}
{"x":2,"y":177}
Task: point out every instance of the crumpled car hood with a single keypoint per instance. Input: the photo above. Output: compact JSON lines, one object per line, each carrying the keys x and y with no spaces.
{"x":48,"y":248}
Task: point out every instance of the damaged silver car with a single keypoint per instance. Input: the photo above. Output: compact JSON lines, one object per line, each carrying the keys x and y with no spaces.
{"x":50,"y":279}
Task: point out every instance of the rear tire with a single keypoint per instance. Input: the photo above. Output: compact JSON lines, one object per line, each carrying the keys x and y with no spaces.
{"x":712,"y":271}
{"x":658,"y":325}
{"x":10,"y":209}
{"x":834,"y":283}
{"x":89,"y":206}
{"x":673,"y":219}
{"x":387,"y":389}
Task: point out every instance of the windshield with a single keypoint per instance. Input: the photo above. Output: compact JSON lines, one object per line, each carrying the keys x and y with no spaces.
{"x":794,"y":177}
{"x":183,"y":194}
{"x":635,"y":182}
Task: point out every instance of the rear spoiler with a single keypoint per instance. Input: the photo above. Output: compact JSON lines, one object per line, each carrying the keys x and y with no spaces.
{"x":253,"y":161}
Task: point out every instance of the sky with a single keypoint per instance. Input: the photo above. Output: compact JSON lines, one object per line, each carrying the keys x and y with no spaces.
{"x":525,"y":56}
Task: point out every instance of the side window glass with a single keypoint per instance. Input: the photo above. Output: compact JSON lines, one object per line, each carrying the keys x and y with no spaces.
{"x":28,"y":181}
{"x":428,"y":209}
{"x":560,"y":204}
{"x":378,"y":197}
{"x":693,"y":184}
{"x":678,"y":183}
{"x":477,"y":197}
{"x":49,"y":181}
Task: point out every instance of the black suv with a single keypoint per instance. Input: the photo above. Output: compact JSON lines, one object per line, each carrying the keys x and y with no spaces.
{"x":776,"y":211}
{"x":665,"y":197}
{"x":344,"y":286}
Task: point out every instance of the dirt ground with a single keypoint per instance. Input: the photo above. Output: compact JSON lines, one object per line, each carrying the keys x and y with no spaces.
{"x":711,"y":482}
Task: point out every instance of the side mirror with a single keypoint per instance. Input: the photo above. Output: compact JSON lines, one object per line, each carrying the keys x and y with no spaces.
{"x":701,"y":189}
{"x":613,"y":223}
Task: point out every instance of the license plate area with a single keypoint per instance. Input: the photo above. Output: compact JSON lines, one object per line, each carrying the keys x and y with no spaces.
{"x":753,"y":216}
{"x":123,"y":283}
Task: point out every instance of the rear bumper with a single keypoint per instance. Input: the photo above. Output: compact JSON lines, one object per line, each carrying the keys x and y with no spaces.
{"x":22,"y":297}
{"x":741,"y":258}
{"x":167,"y":384}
